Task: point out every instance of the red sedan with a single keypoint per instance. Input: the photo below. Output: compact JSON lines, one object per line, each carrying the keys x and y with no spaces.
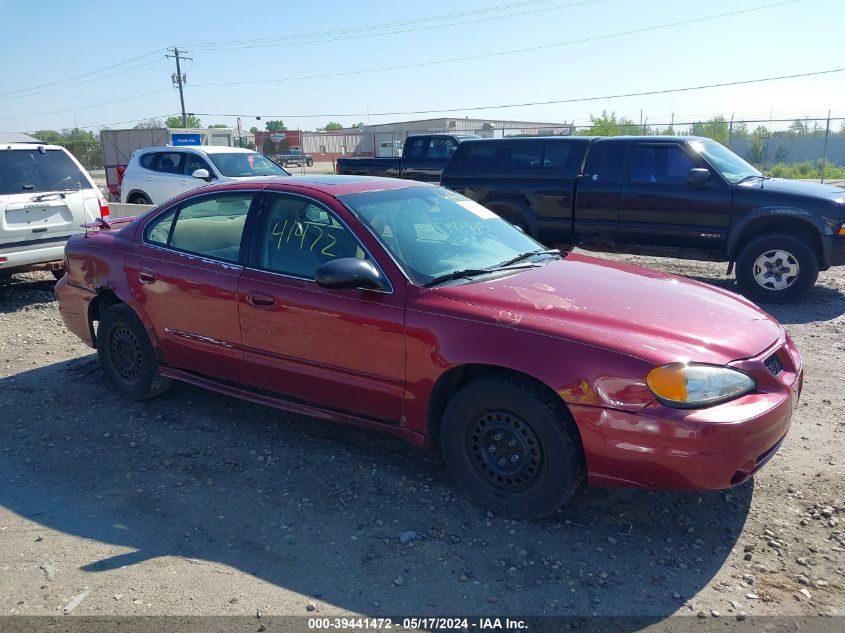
{"x":408,"y":308}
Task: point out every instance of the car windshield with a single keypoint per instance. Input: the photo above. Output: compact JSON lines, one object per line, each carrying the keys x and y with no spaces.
{"x":242,"y":165}
{"x":432,"y":231}
{"x":34,"y":171}
{"x":731,"y":166}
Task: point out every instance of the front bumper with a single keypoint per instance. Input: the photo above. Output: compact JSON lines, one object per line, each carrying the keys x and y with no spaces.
{"x":705,"y":449}
{"x":837,"y":251}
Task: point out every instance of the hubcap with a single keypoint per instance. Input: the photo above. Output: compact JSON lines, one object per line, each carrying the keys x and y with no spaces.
{"x":125,"y":353}
{"x":505,"y":451}
{"x":776,"y":270}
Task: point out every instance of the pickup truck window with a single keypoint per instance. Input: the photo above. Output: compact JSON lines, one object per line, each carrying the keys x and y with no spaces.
{"x":731,"y":166}
{"x":441,"y":148}
{"x":417,"y":148}
{"x":660,"y":163}
{"x":552,"y":159}
{"x":604,"y":163}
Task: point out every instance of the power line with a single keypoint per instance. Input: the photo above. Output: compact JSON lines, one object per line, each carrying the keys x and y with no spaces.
{"x":79,"y":83}
{"x":539,"y":103}
{"x":88,"y":107}
{"x":410,"y":30}
{"x":88,"y":74}
{"x":500,"y":53}
{"x":371,"y":27}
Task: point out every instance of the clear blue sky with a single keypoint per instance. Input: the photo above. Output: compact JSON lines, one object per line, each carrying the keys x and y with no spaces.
{"x":58,"y":40}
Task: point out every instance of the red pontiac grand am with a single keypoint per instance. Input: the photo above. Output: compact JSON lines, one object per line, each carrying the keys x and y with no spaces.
{"x":408,"y":308}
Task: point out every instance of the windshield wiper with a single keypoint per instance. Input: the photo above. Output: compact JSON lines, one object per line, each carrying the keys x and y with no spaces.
{"x":526,"y":255}
{"x":750,"y":176}
{"x":472,"y":272}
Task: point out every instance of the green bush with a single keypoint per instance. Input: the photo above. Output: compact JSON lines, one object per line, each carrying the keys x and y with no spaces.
{"x":807,"y":169}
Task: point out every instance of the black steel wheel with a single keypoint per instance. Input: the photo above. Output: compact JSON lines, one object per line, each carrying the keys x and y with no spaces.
{"x":127,"y":355}
{"x":512,"y":446}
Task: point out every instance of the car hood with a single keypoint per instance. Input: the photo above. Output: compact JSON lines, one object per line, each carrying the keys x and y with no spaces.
{"x":645,"y":313}
{"x":796,"y":188}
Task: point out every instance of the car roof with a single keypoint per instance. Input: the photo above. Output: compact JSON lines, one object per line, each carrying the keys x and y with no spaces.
{"x":205,"y":149}
{"x":331,"y":185}
{"x":30,"y":146}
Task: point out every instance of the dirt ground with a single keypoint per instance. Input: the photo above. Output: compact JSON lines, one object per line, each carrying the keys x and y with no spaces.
{"x":195,"y":503}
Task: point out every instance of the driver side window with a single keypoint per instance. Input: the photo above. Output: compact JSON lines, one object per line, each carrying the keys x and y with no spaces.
{"x":298,"y":236}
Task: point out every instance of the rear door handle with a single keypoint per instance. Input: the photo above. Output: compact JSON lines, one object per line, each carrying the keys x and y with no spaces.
{"x":147,"y":276}
{"x":261,"y":300}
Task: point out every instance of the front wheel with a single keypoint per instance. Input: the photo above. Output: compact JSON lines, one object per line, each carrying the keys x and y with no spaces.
{"x":512,"y":446}
{"x":127,"y":355}
{"x":309,"y":162}
{"x":776,"y":268}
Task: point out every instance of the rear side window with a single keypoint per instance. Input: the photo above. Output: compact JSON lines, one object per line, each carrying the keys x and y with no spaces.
{"x":548,"y":160}
{"x":416,"y":149}
{"x":211,"y":226}
{"x":31,"y":171}
{"x":479,"y":157}
{"x":660,"y":163}
{"x":147,"y":160}
{"x":170,"y":162}
{"x":604,"y":162}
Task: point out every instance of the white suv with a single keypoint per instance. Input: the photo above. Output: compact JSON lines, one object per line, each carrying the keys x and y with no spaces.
{"x":45,"y":197}
{"x":156,"y":174}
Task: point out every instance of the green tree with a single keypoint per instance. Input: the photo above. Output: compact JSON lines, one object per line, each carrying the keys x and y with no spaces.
{"x":275,"y":126}
{"x":716,"y":128}
{"x":49,"y":136}
{"x":250,"y":145}
{"x":608,"y":125}
{"x":253,"y":130}
{"x":740,"y":130}
{"x":361,"y":124}
{"x":176,"y":121}
{"x":756,"y":152}
{"x":268,"y":147}
{"x":781,"y":153}
{"x":151,"y":124}
{"x":218,"y":125}
{"x":331,"y":125}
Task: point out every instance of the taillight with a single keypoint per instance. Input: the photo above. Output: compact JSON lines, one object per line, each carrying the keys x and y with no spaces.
{"x":104,"y":208}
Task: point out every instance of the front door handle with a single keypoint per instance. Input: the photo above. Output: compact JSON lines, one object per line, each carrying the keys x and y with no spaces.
{"x":146,"y":276}
{"x":261,"y":300}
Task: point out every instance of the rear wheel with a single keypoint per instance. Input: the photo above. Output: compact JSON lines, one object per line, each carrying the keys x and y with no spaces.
{"x":310,"y":162}
{"x":512,"y":446}
{"x":776,"y":268}
{"x":139,"y":198}
{"x":127,"y":355}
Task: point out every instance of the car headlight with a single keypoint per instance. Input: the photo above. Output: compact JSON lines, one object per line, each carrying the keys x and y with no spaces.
{"x":692,"y":386}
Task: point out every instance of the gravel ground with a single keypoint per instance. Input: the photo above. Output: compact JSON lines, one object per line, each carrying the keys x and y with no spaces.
{"x":195,"y":503}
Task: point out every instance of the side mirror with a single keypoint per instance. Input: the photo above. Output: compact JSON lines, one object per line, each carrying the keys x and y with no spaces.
{"x":202,"y":174}
{"x":698,"y":176}
{"x":350,"y":272}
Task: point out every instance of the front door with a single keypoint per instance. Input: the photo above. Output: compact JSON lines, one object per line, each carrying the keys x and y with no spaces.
{"x":658,"y":206}
{"x":338,"y":349}
{"x":184,"y":275}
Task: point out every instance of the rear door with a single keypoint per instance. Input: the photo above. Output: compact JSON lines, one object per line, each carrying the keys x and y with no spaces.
{"x":658,"y":207}
{"x":596,"y":215}
{"x":45,"y":196}
{"x":184,"y":274}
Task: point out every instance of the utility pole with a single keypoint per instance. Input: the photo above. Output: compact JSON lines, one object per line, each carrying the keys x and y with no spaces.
{"x":180,"y":78}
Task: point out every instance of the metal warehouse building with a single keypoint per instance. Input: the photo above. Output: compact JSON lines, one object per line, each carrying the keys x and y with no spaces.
{"x":386,"y":139}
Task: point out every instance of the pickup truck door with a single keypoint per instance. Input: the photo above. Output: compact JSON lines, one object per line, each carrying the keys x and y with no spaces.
{"x":596,"y":216}
{"x":437,"y":150}
{"x":658,"y":207}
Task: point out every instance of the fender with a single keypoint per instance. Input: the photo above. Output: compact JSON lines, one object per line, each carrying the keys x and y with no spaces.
{"x":764,"y":214}
{"x":514,"y":207}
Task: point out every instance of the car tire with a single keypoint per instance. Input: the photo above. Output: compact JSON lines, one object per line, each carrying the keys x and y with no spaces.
{"x":512,"y":446}
{"x":139,"y":198}
{"x":127,"y":355}
{"x":776,"y":268}
{"x":309,"y":162}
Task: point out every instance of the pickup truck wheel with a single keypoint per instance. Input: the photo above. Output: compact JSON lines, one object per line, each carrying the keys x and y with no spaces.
{"x":310,"y":162}
{"x":776,"y":268}
{"x":512,"y":447}
{"x":127,"y":355}
{"x":139,"y":198}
